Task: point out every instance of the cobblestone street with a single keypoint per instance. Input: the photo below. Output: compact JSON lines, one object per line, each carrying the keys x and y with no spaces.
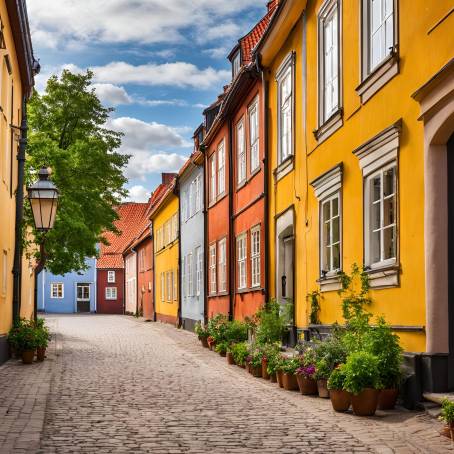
{"x":117,"y":384}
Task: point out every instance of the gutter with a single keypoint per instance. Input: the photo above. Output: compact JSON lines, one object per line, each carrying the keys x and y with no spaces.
{"x":176,"y":191}
{"x":231,"y":236}
{"x":205,"y":240}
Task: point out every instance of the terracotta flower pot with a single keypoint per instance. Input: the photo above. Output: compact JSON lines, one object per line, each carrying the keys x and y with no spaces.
{"x":27,"y":356}
{"x":322,"y":388}
{"x":265,"y":374}
{"x":204,"y":342}
{"x":243,"y":366}
{"x":365,"y":403}
{"x":387,"y":398}
{"x":289,"y":382}
{"x":230,"y":359}
{"x":223,"y":354}
{"x":40,"y":353}
{"x":256,"y":371}
{"x":448,"y":430}
{"x":279,"y":378}
{"x":273,"y":378}
{"x":307,"y":386}
{"x":248,"y":367}
{"x":340,"y":399}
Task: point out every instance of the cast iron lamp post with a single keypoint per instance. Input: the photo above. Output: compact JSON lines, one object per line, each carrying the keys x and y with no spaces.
{"x":43,"y":198}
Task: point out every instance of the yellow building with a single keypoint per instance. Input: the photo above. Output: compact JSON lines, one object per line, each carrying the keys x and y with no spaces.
{"x":369,"y":173}
{"x":16,"y":80}
{"x":165,"y":223}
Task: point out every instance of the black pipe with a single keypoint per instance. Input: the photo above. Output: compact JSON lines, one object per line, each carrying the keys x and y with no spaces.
{"x":205,"y":238}
{"x":176,"y":191}
{"x":231,"y":236}
{"x":17,"y":266}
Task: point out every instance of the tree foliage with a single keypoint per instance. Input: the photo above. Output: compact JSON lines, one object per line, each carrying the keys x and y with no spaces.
{"x":68,"y":132}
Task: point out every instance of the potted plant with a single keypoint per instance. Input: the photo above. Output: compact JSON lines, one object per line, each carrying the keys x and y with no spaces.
{"x":240,"y":353}
{"x":42,"y":339}
{"x":221,"y":348}
{"x":202,"y":333}
{"x":289,"y":367}
{"x":305,"y":376}
{"x":384,"y":344}
{"x":255,"y":362}
{"x":322,"y":373}
{"x":362,"y":380}
{"x":272,"y":363}
{"x":230,"y":359}
{"x":447,"y":415}
{"x":24,"y":338}
{"x":340,"y":398}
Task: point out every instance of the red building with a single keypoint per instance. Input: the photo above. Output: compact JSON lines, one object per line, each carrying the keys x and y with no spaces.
{"x":236,"y":193}
{"x":110,"y":264}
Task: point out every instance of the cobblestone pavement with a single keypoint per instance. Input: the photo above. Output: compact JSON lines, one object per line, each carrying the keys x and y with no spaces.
{"x":117,"y":384}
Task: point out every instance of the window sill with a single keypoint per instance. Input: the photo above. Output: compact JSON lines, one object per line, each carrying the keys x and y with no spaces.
{"x":284,"y":168}
{"x":380,"y":76}
{"x":330,"y":126}
{"x":248,"y":180}
{"x":218,"y":199}
{"x":216,"y":295}
{"x":384,"y":277}
{"x":329,"y":284}
{"x":242,"y":291}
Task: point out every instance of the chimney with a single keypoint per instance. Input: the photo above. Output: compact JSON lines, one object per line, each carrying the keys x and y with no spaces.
{"x":167,"y":178}
{"x":272,"y":5}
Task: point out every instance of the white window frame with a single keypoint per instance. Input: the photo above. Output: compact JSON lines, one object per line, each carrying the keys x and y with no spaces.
{"x":236,"y":64}
{"x":111,"y":293}
{"x":111,"y":277}
{"x":256,"y":256}
{"x":84,"y":286}
{"x":254,"y":135}
{"x":199,"y":270}
{"x":198,"y":194}
{"x":287,"y":69}
{"x":241,"y":151}
{"x":175,"y":285}
{"x":169,"y":286}
{"x":190,"y":274}
{"x":213,"y":173}
{"x":60,"y":290}
{"x":222,"y":264}
{"x":328,"y":269}
{"x":212,"y":266}
{"x":221,"y":167}
{"x":241,"y":247}
{"x":163,"y":287}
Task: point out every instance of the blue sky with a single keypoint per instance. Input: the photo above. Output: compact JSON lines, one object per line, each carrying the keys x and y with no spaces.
{"x":158,"y":62}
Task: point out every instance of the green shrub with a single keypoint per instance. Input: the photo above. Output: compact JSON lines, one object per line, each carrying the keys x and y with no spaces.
{"x":361,"y":371}
{"x":314,"y":299}
{"x":332,"y":350}
{"x":221,"y":347}
{"x":42,"y":336}
{"x":255,"y":356}
{"x":217,"y":327}
{"x":201,"y":330}
{"x":290,"y":365}
{"x":236,"y":331}
{"x":337,"y":378}
{"x":240,"y":352}
{"x":322,"y":370}
{"x":270,"y":324}
{"x":23,"y":335}
{"x":447,"y":411}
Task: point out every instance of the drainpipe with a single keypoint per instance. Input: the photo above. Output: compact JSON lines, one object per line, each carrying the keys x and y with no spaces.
{"x":205,"y":240}
{"x":231,"y":222}
{"x":177,"y":193}
{"x":17,"y":266}
{"x":153,"y":269}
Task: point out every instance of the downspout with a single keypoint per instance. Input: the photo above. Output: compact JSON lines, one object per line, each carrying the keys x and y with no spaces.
{"x":176,"y":192}
{"x":231,"y":222}
{"x":152,"y":270}
{"x":205,"y":240}
{"x":17,"y":265}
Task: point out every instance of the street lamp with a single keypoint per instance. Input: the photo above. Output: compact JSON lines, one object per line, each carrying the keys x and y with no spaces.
{"x":43,"y":197}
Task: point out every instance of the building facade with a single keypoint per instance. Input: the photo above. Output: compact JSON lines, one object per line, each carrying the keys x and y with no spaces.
{"x":192,"y":237}
{"x":130,"y":260}
{"x":69,"y":293}
{"x":17,"y":67}
{"x":165,"y":220}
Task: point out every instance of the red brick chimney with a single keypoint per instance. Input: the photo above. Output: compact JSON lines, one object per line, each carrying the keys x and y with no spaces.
{"x":167,"y":178}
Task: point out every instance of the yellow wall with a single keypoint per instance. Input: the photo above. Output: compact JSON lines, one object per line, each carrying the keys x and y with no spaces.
{"x":423,"y":52}
{"x":166,"y":259}
{"x":8,"y":180}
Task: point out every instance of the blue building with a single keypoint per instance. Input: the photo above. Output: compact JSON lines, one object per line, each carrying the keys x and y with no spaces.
{"x":68,"y":293}
{"x":192,"y":238}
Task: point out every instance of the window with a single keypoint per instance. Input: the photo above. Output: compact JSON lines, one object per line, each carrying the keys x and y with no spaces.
{"x":190,"y":275}
{"x":236,"y":64}
{"x":111,"y":293}
{"x":198,"y":270}
{"x":174,"y":232}
{"x":254,"y":135}
{"x":175,"y":285}
{"x":4,"y":272}
{"x":198,"y":194}
{"x":382,"y":235}
{"x":222,"y":265}
{"x":213,"y":177}
{"x":213,"y":268}
{"x":330,"y":253}
{"x":380,"y":31}
{"x":57,"y":290}
{"x":168,"y":232}
{"x":241,"y":254}
{"x":329,"y":60}
{"x":83,"y":292}
{"x":241,"y":153}
{"x":163,"y":287}
{"x":191,"y":199}
{"x":221,"y":168}
{"x":110,"y":276}
{"x":169,"y":283}
{"x":285,"y":107}
{"x":159,"y":239}
{"x":184,"y":204}
{"x":255,"y":256}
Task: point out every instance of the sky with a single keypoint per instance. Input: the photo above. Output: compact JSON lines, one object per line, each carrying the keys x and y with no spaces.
{"x":159,"y":63}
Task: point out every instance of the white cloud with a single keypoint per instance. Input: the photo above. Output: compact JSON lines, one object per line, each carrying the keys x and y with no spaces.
{"x":112,"y":95}
{"x":142,"y":163}
{"x":143,"y":21}
{"x":138,"y":193}
{"x":217,"y":52}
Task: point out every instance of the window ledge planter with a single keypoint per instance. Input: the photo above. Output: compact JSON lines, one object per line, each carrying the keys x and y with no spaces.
{"x":340,"y":399}
{"x":365,"y":403}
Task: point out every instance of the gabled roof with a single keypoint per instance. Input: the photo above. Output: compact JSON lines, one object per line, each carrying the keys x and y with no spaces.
{"x":168,"y":190}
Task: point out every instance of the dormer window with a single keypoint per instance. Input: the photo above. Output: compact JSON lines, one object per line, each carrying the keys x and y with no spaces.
{"x":236,"y":64}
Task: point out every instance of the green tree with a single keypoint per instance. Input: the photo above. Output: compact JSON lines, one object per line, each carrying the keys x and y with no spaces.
{"x":67,"y":132}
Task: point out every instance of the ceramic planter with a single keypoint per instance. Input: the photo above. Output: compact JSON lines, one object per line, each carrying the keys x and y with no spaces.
{"x":307,"y":386}
{"x":230,"y":359}
{"x":40,"y":353}
{"x":27,"y":356}
{"x":289,"y":382}
{"x":387,"y":398}
{"x":265,"y":374}
{"x":204,"y":342}
{"x":273,"y":378}
{"x":279,"y":378}
{"x":322,"y":388}
{"x":340,"y":399}
{"x":256,"y":371}
{"x":365,"y":403}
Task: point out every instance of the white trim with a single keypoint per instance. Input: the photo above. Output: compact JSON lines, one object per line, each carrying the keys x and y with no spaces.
{"x":113,"y":293}
{"x":52,"y":290}
{"x":328,"y":183}
{"x":256,"y":256}
{"x":109,"y":280}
